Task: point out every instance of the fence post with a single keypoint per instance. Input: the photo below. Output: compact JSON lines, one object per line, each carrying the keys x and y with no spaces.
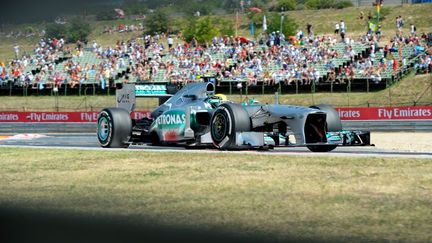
{"x":56,"y":102}
{"x":367,"y":85}
{"x":390,"y":98}
{"x":349,"y":91}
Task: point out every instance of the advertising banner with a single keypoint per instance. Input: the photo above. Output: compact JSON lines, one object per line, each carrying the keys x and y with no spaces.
{"x":385,"y":113}
{"x":345,"y":113}
{"x":52,"y":117}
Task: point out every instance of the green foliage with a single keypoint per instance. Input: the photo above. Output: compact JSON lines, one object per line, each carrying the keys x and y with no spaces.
{"x":259,"y":3}
{"x":193,"y":7}
{"x":255,"y":17}
{"x":230,"y":5}
{"x":344,"y":4}
{"x":320,"y":4}
{"x":54,"y":30}
{"x":78,"y":29}
{"x":286,"y":4}
{"x":325,"y":4}
{"x":106,"y":15}
{"x":203,"y":29}
{"x":134,"y":7}
{"x":384,"y":12}
{"x":289,"y":26}
{"x":157,"y":22}
{"x":226,"y":27}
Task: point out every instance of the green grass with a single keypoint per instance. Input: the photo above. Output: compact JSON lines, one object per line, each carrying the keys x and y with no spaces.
{"x":323,"y":21}
{"x":413,"y":89}
{"x":349,"y":199}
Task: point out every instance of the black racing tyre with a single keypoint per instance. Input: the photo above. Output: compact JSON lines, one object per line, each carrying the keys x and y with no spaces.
{"x":334,"y":123}
{"x":321,"y":148}
{"x":228,"y":119}
{"x":114,"y":128}
{"x":154,"y":139}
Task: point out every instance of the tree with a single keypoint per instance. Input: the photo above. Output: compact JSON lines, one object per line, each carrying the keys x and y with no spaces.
{"x":226,"y":27}
{"x":286,"y":4}
{"x":78,"y":29}
{"x":202,"y":29}
{"x":157,"y":22}
{"x":54,"y":30}
{"x":289,"y":26}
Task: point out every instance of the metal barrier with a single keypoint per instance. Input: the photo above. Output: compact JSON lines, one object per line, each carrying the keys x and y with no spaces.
{"x":391,"y":126}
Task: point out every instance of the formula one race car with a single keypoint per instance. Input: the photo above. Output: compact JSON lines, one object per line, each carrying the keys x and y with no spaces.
{"x":196,"y":117}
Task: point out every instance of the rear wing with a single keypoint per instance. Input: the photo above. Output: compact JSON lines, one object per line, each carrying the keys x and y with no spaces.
{"x":127,"y":94}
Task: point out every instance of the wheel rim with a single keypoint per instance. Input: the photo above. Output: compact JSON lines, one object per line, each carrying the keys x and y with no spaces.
{"x":219,"y":128}
{"x":103,"y":128}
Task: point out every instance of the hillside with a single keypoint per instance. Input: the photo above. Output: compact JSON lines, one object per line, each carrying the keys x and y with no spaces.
{"x":322,"y":21}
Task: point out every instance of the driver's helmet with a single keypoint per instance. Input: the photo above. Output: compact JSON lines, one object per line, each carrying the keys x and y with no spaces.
{"x":222,"y":97}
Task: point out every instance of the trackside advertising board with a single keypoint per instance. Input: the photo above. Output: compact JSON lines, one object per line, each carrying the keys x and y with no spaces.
{"x":62,"y":117}
{"x":345,"y":113}
{"x":385,"y":113}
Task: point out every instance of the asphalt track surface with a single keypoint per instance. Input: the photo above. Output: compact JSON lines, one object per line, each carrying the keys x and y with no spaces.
{"x":89,"y":142}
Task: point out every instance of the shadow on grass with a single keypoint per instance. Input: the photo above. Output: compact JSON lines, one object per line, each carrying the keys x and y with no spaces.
{"x":30,"y":225}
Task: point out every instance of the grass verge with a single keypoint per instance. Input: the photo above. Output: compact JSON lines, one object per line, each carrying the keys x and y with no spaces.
{"x":349,"y":199}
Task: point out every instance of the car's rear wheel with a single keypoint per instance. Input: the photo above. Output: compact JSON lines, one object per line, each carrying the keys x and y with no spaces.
{"x":227,"y":120}
{"x":114,"y":128}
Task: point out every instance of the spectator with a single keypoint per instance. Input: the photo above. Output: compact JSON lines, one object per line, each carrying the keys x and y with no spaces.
{"x":16,"y":51}
{"x":413,"y":29}
{"x":309,"y":29}
{"x":342,"y":26}
{"x":170,"y":41}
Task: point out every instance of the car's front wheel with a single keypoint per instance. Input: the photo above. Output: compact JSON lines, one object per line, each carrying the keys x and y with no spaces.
{"x":227,"y":120}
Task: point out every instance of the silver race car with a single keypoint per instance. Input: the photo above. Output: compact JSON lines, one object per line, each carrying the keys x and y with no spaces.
{"x":196,"y":117}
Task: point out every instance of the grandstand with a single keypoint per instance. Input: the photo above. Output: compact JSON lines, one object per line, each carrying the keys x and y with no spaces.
{"x":314,"y":63}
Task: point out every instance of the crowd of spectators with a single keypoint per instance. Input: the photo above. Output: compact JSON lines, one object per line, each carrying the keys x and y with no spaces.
{"x":21,"y":70}
{"x":123,"y":28}
{"x":271,"y":59}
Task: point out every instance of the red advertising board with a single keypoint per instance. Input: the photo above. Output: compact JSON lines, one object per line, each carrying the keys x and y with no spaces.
{"x":88,"y":117}
{"x":385,"y":113}
{"x":345,"y":113}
